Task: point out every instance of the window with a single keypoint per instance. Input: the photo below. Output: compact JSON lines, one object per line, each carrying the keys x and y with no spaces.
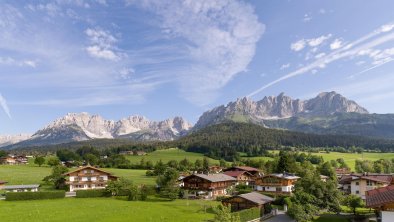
{"x":89,"y":179}
{"x":357,"y":183}
{"x":357,"y":192}
{"x":92,"y":171}
{"x":369,"y":183}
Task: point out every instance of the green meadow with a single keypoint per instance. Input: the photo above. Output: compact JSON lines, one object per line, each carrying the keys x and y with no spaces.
{"x":105,"y":210}
{"x":169,"y":154}
{"x":350,"y":158}
{"x":33,"y":174}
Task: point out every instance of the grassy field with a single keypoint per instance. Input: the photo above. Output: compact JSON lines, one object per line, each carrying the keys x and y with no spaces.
{"x":169,"y":154}
{"x":105,"y":209}
{"x":350,"y":158}
{"x":33,"y":174}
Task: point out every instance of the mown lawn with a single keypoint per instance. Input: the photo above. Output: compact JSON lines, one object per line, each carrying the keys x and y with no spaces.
{"x":350,"y":158}
{"x":169,"y":154}
{"x":105,"y":210}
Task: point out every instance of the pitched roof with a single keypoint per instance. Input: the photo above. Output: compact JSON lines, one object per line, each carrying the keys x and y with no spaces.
{"x":235,"y":173}
{"x":88,"y":167}
{"x":214,"y":177}
{"x":29,"y":186}
{"x":256,"y":197}
{"x":380,"y":196}
{"x":244,"y":168}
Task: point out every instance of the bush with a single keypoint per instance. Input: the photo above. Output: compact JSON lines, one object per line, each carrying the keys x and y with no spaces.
{"x":249,"y":214}
{"x":12,"y":196}
{"x":92,"y":193}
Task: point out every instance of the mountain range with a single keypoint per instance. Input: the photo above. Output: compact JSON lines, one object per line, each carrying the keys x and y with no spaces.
{"x":327,"y":113}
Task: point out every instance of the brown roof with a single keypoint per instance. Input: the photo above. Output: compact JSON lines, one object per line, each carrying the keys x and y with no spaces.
{"x":235,"y":173}
{"x":244,"y":168}
{"x":218,"y":177}
{"x":3,"y":182}
{"x":88,"y":167}
{"x":383,"y":178}
{"x":380,"y":196}
{"x":256,"y":198}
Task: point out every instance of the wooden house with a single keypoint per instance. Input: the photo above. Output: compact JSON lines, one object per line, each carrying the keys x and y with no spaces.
{"x":249,"y":200}
{"x":88,"y":177}
{"x":242,"y":177}
{"x":207,"y":185}
{"x":382,"y":200}
{"x":276,"y":183}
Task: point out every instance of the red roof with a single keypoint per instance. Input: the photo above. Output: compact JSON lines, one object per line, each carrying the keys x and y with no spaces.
{"x":382,"y":178}
{"x":235,"y":173}
{"x":3,"y":182}
{"x":380,"y":196}
{"x":244,"y":168}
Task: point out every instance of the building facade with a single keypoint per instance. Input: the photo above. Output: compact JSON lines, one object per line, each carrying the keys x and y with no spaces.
{"x":207,"y":186}
{"x":88,"y":177}
{"x":276,"y":183}
{"x":242,"y":177}
{"x":359,"y":184}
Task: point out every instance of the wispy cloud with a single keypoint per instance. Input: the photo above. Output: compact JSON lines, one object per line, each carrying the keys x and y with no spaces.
{"x":219,"y":37}
{"x":312,"y":42}
{"x":4,"y":106}
{"x":336,"y":44}
{"x":373,"y":39}
{"x":102,"y":44}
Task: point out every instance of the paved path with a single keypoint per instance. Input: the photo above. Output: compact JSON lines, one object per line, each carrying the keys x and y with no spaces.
{"x":281,"y":217}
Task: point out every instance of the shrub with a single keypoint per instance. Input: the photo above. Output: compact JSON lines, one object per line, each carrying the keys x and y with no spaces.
{"x":92,"y":193}
{"x":249,"y":214}
{"x":12,"y":196}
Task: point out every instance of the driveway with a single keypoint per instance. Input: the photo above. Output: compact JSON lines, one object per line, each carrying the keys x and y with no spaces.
{"x":280,"y":217}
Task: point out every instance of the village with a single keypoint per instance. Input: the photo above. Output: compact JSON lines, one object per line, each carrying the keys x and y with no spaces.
{"x":239,"y":188}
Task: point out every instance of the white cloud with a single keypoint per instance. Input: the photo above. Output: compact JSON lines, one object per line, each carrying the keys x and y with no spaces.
{"x":3,"y":104}
{"x":298,"y":46}
{"x":307,"y":18}
{"x":320,"y":55}
{"x":322,"y":11}
{"x":14,"y":62}
{"x":387,"y":27}
{"x":285,"y":66}
{"x":359,"y":46}
{"x":217,"y":38}
{"x":126,"y":73}
{"x":102,"y":44}
{"x":336,"y":44}
{"x":319,"y":40}
{"x":313,"y":42}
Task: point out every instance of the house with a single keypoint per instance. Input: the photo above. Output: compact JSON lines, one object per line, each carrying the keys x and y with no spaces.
{"x":382,"y":200}
{"x":253,"y":171}
{"x":215,"y":169}
{"x":342,"y":171}
{"x":126,"y":152}
{"x":140,"y":153}
{"x":358,"y":184}
{"x":324,"y":178}
{"x":242,"y":177}
{"x":88,"y":177}
{"x":2,"y":184}
{"x":21,"y":188}
{"x":14,"y":160}
{"x":249,"y":200}
{"x":207,"y":186}
{"x":280,"y":183}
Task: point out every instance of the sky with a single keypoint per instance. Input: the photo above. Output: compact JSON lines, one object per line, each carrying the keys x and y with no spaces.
{"x":167,"y":58}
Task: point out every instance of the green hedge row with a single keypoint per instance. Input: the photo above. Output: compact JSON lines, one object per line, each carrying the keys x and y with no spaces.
{"x":92,"y":193}
{"x":11,"y":196}
{"x":249,"y":214}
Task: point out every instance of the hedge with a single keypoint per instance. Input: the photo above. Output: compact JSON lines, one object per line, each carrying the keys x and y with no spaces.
{"x":11,"y":196}
{"x":249,"y":214}
{"x":92,"y":193}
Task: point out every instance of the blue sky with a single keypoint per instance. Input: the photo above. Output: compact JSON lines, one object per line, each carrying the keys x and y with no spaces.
{"x":172,"y":58}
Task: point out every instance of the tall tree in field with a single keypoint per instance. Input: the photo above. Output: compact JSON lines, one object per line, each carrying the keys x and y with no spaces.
{"x":40,"y":160}
{"x":168,"y":184}
{"x":57,"y":177}
{"x":286,"y":163}
{"x":353,"y":202}
{"x":53,"y":161}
